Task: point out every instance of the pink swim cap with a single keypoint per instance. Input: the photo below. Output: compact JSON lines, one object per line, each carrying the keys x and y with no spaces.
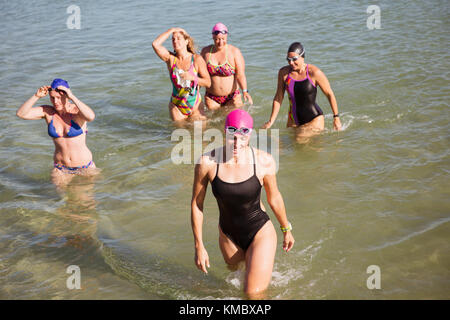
{"x":219,"y":27}
{"x":239,"y":118}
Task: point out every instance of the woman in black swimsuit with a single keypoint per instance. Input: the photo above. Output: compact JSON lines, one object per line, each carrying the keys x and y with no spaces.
{"x":300,"y":80}
{"x":237,"y":173}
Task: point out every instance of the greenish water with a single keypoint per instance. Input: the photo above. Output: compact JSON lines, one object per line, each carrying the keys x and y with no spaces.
{"x":376,"y":193}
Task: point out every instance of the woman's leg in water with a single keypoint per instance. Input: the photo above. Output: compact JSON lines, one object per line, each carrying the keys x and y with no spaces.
{"x":198,"y":113}
{"x":61,"y":179}
{"x":235,"y":102}
{"x":259,"y":260}
{"x":304,"y":132}
{"x":231,"y":253}
{"x":176,"y":114}
{"x":211,"y":104}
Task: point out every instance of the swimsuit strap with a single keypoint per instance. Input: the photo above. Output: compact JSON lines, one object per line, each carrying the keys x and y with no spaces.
{"x":192,"y":67}
{"x":289,"y":76}
{"x":307,"y":75}
{"x":210,"y":52}
{"x":217,"y":169}
{"x":174,"y":64}
{"x":254,"y":162}
{"x":226,"y":54}
{"x":226,"y":57}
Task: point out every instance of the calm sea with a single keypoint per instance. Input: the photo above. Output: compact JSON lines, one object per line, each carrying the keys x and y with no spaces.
{"x":375,"y":194}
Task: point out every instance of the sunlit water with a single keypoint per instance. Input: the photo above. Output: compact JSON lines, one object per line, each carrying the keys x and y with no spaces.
{"x":376,"y":193}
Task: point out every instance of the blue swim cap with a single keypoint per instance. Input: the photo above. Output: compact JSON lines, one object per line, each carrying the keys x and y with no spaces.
{"x":59,"y":82}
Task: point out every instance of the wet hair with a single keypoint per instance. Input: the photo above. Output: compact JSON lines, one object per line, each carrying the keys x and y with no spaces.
{"x":297,"y":47}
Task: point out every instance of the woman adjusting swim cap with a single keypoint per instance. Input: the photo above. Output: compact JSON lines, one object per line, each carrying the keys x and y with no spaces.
{"x":66,"y":119}
{"x":59,"y":82}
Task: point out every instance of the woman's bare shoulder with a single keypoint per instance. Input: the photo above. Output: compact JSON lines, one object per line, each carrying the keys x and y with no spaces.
{"x":264,"y":158}
{"x":206,"y":50}
{"x":48,"y":110}
{"x":209,"y":158}
{"x":313,"y":69}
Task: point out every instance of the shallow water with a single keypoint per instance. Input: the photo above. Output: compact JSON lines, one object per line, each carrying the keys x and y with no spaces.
{"x":374,"y":194}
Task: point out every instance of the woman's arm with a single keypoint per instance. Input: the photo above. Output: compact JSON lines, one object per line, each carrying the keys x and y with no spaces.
{"x":27,"y":112}
{"x":198,"y":197}
{"x":203,"y":79}
{"x":240,"y":74}
{"x":157,"y":44}
{"x":86,"y":113}
{"x":277,"y":99}
{"x":204,"y":52}
{"x":276,"y":202}
{"x":325,"y":86}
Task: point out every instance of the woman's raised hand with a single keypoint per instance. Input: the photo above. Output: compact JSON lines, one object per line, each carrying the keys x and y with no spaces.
{"x":66,"y":91}
{"x":42,"y":91}
{"x":177,"y":29}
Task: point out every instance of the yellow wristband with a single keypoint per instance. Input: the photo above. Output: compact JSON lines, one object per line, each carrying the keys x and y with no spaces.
{"x":289,"y":228}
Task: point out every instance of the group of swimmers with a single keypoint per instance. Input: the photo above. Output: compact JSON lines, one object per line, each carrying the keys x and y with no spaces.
{"x":237,"y":172}
{"x":220,"y":68}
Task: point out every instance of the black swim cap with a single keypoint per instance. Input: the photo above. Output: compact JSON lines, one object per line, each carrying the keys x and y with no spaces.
{"x":297,"y":47}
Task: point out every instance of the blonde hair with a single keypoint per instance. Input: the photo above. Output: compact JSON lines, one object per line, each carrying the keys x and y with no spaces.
{"x":191,"y":47}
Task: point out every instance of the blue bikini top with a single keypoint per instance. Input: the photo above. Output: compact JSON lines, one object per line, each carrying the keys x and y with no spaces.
{"x":74,"y":131}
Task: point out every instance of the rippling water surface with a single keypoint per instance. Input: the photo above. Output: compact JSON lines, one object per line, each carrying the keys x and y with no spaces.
{"x":376,"y":193}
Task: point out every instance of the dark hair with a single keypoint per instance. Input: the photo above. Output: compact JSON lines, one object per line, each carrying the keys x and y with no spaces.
{"x":297,"y":47}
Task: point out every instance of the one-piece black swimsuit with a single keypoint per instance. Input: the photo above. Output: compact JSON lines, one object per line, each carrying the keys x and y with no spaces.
{"x":241,"y":215}
{"x":302,"y":99}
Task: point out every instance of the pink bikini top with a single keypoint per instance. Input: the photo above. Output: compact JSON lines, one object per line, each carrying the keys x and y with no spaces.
{"x":225,"y":69}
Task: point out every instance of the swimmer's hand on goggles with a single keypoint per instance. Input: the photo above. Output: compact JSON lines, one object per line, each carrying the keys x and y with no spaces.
{"x":42,"y":91}
{"x":57,"y":90}
{"x":65,"y":91}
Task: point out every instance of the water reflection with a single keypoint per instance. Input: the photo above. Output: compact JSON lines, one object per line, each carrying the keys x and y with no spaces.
{"x":76,"y":219}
